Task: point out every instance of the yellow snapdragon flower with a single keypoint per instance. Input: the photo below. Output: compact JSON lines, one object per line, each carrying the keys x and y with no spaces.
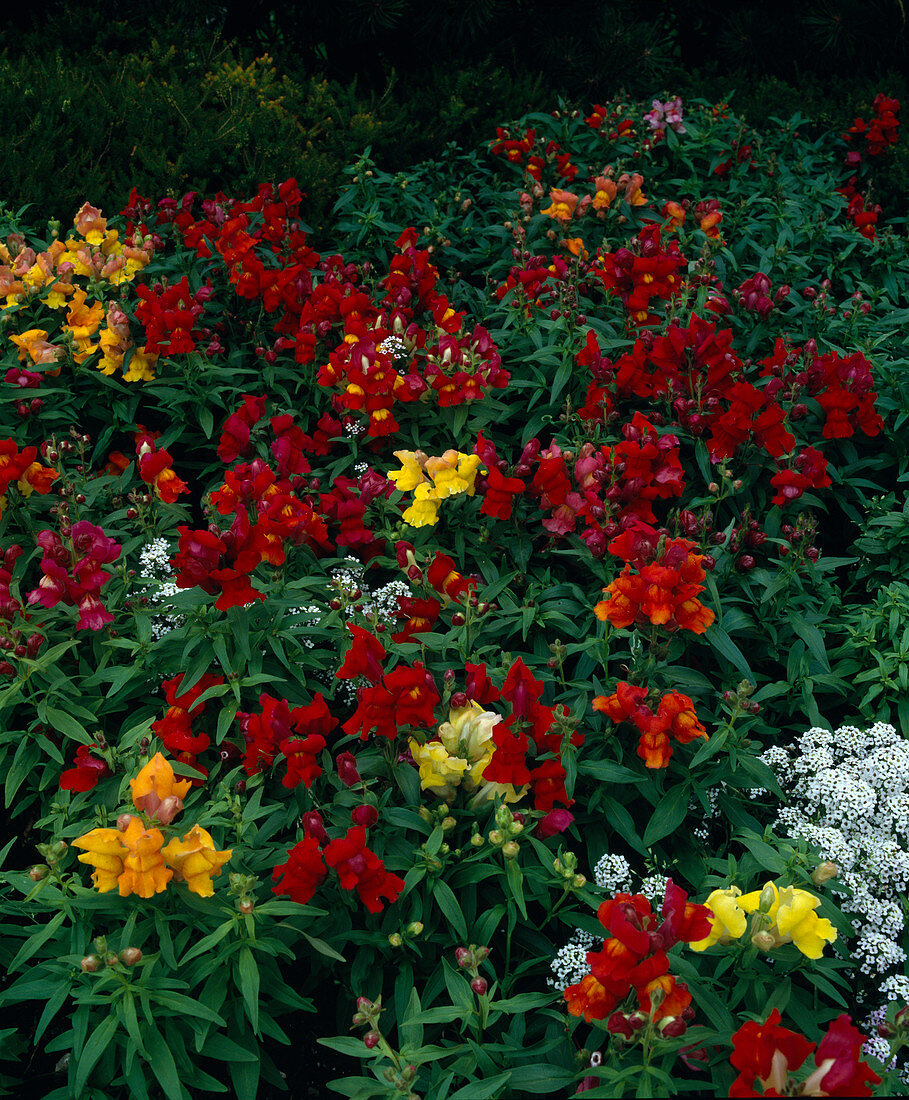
{"x":794,"y":918}
{"x":461,"y":753}
{"x":728,"y":920}
{"x":195,"y":860}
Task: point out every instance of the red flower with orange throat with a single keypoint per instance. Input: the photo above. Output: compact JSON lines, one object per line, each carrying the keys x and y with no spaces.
{"x":664,"y":592}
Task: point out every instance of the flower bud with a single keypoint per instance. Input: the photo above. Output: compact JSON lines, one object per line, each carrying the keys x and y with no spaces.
{"x":395,"y":939}
{"x":478,"y":985}
{"x":130,"y":956}
{"x":477,"y":840}
{"x":123,"y":822}
{"x":465,"y":959}
{"x":768,"y":895}
{"x":578,"y":882}
{"x":637,"y":1020}
{"x":111,"y":959}
{"x":245,"y":906}
{"x":510,"y":849}
{"x":371,"y":1039}
{"x":91,"y":963}
{"x":763,"y":941}
{"x":38,"y":872}
{"x":364,"y":815}
{"x":824,"y":872}
{"x":448,"y":823}
{"x":496,"y":838}
{"x":415,"y":928}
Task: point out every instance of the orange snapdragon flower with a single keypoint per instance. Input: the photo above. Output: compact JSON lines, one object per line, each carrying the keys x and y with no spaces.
{"x":676,"y":214}
{"x":131,"y":860}
{"x":605,"y":193}
{"x":562,"y":206}
{"x":157,"y":792}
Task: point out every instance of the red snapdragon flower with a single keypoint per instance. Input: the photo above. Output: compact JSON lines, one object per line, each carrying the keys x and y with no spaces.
{"x":87,"y":772}
{"x":302,"y":874}
{"x":361,"y":869}
{"x":765,"y":1055}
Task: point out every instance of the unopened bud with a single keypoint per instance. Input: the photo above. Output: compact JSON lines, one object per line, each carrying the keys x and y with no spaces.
{"x":763,"y":941}
{"x":510,"y":849}
{"x":395,"y":939}
{"x":448,"y":823}
{"x":111,"y":959}
{"x":477,"y":840}
{"x":123,"y":822}
{"x":478,"y":985}
{"x":824,"y":872}
{"x":415,"y":928}
{"x":130,"y":956}
{"x":578,"y":882}
{"x":38,"y":872}
{"x":767,"y":899}
{"x":91,"y":963}
{"x":496,"y":838}
{"x":371,"y":1039}
{"x":246,"y":906}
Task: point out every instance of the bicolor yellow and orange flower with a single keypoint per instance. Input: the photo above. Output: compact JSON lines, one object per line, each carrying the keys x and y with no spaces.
{"x":133,"y":858}
{"x":432,"y":480}
{"x":562,"y":206}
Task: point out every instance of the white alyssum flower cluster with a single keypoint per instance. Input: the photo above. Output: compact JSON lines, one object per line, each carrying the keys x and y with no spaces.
{"x":156,"y":575}
{"x":848,"y":794}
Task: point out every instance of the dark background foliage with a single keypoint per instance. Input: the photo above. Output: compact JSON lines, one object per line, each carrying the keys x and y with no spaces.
{"x":224,"y":94}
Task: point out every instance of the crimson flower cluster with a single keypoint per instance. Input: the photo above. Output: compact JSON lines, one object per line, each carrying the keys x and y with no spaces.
{"x":406,"y":696}
{"x":634,"y":958}
{"x":765,"y":1055}
{"x":881,"y":131}
{"x":298,"y":734}
{"x":171,"y":316}
{"x":183,"y":709}
{"x":86,"y":772}
{"x":643,"y":273}
{"x":358,"y":868}
{"x":73,"y":573}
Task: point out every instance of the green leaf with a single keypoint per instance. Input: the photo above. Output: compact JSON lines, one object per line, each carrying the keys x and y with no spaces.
{"x":323,"y":948}
{"x":540,"y":1078}
{"x":37,"y":940}
{"x":813,"y":639}
{"x":94,"y":1047}
{"x":515,"y":879}
{"x":68,"y":725}
{"x":411,"y":1029}
{"x":223,"y":1049}
{"x":163,"y":1065}
{"x":448,"y":903}
{"x":248,"y":981}
{"x":209,"y":941}
{"x":726,"y":647}
{"x":482,"y":1090}
{"x":669,"y":814}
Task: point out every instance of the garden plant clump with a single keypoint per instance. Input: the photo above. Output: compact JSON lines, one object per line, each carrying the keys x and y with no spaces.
{"x":478,"y":647}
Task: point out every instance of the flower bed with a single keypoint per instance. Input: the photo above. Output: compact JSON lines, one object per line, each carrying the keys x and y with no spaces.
{"x":422,"y":634}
